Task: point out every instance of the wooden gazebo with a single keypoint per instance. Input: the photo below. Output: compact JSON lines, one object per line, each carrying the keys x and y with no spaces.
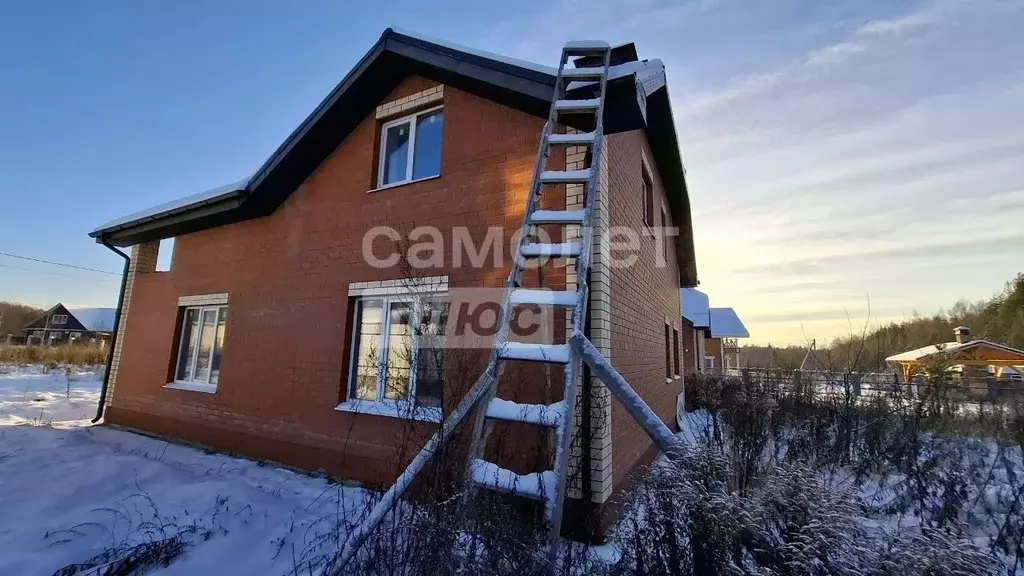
{"x":973,"y":355}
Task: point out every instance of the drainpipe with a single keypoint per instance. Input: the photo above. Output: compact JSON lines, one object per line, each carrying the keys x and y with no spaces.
{"x":117,"y":325}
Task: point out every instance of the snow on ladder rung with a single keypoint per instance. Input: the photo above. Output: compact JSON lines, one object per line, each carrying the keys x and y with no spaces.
{"x":538,"y":485}
{"x":529,"y":352}
{"x":565,"y":176}
{"x":580,"y":139}
{"x":583,"y":73}
{"x":540,"y":414}
{"x":557,"y":217}
{"x":521,"y":296}
{"x":562,"y":250}
{"x":587,"y":105}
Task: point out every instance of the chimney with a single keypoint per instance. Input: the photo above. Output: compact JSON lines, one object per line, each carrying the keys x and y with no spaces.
{"x":963,"y":334}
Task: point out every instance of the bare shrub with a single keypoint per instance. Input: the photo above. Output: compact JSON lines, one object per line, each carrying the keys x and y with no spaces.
{"x":76,"y":355}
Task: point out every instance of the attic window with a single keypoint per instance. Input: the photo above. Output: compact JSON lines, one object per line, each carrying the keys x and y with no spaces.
{"x":59,"y":319}
{"x":648,"y":197}
{"x":410,"y":148}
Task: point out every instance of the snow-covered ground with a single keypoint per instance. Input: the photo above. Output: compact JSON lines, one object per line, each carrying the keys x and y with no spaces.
{"x":69,"y":491}
{"x":30,"y":395}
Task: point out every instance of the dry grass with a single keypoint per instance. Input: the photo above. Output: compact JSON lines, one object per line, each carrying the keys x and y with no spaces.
{"x":67,"y":354}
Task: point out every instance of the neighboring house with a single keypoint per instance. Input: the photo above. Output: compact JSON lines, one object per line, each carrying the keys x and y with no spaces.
{"x":262,"y":338}
{"x":62,"y":324}
{"x":723,"y":347}
{"x":696,"y":309}
{"x":710,"y":335}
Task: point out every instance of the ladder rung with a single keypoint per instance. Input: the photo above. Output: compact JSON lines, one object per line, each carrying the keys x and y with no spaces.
{"x":540,"y":414}
{"x":555,"y":353}
{"x":588,"y":105}
{"x":565,"y":176}
{"x":521,"y":296}
{"x":583,"y":73}
{"x":586,"y":47}
{"x":557,"y":216}
{"x":581,"y":139}
{"x":563,"y":250}
{"x":538,"y":485}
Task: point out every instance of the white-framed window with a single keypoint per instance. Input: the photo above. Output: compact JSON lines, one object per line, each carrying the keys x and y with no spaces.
{"x":397,"y":355}
{"x":648,"y":194}
{"x":38,"y":334}
{"x":709,"y":362}
{"x":58,"y":319}
{"x":201,"y":346}
{"x":75,"y":335}
{"x":410,"y":148}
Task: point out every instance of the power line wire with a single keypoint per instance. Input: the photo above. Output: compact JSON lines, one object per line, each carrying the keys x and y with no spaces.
{"x":9,"y":255}
{"x":54,"y":273}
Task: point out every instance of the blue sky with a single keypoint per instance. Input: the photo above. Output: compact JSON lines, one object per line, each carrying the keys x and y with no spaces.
{"x":845,"y":159}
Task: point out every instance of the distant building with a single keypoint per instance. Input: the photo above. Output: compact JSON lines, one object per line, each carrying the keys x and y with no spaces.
{"x":724,"y":346}
{"x":976,"y":363}
{"x":71,"y":324}
{"x":696,"y":328}
{"x":710,"y":335}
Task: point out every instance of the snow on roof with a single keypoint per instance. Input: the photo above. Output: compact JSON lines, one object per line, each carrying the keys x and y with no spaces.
{"x":696,"y":307}
{"x":947,"y":348}
{"x":94,"y":319}
{"x":179,"y":204}
{"x":725,"y":323}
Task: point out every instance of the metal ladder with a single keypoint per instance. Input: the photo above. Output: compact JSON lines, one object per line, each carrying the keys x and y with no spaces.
{"x":547,"y":486}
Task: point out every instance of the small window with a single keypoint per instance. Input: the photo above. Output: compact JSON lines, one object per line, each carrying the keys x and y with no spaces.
{"x":398,"y":350}
{"x":675,"y":347}
{"x":410,"y":148}
{"x":202,"y":344}
{"x":648,"y":198}
{"x":38,"y":334}
{"x":58,"y":319}
{"x":668,"y":352}
{"x":709,"y":362}
{"x":75,"y":335}
{"x":663,"y":235}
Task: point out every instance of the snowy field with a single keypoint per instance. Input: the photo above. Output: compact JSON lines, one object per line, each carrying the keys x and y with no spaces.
{"x":69,"y":492}
{"x":60,"y":399}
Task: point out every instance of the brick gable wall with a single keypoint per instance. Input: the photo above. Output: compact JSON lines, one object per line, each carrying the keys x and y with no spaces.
{"x":644,"y":297}
{"x":287,"y":345}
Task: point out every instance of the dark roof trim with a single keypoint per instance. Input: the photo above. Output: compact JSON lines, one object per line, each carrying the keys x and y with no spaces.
{"x":636,"y":99}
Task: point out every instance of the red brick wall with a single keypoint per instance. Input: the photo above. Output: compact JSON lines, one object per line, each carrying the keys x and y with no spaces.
{"x":285,"y":359}
{"x":643,"y":297}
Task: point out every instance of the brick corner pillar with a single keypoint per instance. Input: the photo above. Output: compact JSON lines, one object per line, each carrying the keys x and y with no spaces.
{"x":143,"y":261}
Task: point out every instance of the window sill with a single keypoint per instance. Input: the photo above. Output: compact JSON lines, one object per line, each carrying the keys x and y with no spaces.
{"x":403,"y":410}
{"x":403,"y":183}
{"x":672,"y":379}
{"x":192,"y":387}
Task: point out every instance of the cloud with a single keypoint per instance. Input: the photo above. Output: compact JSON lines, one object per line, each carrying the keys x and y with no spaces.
{"x":836,"y":150}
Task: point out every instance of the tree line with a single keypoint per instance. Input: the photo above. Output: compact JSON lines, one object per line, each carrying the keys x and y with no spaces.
{"x":999,"y":318}
{"x":14,"y":316}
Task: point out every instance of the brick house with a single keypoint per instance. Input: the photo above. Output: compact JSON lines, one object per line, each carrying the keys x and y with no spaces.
{"x":710,"y":335}
{"x":255,"y":342}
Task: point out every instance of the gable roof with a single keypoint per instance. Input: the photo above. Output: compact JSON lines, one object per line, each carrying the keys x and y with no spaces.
{"x":725,"y":323}
{"x":696,"y":307}
{"x":86,"y":318}
{"x":94,"y":319}
{"x":637,"y":98}
{"x":950,"y":350}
